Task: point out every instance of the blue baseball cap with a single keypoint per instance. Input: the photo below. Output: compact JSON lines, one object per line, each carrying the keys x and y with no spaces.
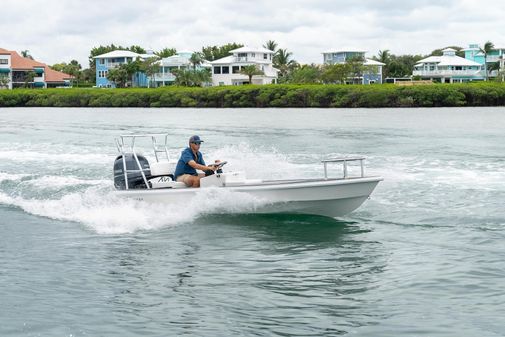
{"x":195,"y":139}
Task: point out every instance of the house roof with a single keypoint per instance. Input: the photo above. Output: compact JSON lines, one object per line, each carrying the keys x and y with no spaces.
{"x":52,"y":75}
{"x":335,"y":51}
{"x":446,"y":60}
{"x":369,"y":62}
{"x":23,"y":63}
{"x":247,"y":49}
{"x":224,"y":60}
{"x":118,"y":53}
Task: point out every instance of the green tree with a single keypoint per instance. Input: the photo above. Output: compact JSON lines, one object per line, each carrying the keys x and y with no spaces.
{"x":488,"y":46}
{"x":137,"y":49}
{"x":385,"y":57}
{"x":271,"y":45}
{"x":500,"y":77}
{"x":282,"y":61}
{"x":150,"y":67}
{"x":26,"y":54}
{"x":356,"y":68}
{"x":28,"y":79}
{"x":132,"y":68}
{"x":250,"y":71}
{"x":119,"y":76}
{"x":192,"y":78}
{"x":306,"y":74}
{"x":211,"y":53}
{"x":196,"y":59}
{"x":335,"y":73}
{"x":4,"y":81}
{"x":166,"y":52}
{"x":402,"y":65}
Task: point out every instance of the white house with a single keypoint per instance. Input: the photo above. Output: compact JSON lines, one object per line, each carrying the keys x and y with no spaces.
{"x":226,"y":71}
{"x":449,"y":68}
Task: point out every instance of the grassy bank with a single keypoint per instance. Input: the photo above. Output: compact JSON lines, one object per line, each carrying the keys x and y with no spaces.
{"x":324,"y":96}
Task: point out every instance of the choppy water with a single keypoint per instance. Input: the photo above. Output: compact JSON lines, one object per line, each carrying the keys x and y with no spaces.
{"x":423,"y":257}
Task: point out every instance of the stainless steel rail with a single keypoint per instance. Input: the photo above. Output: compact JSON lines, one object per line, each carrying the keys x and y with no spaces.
{"x":344,"y":161}
{"x":126,"y":144}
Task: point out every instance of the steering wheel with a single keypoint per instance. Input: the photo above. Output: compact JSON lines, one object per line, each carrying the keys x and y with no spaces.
{"x":219,"y":165}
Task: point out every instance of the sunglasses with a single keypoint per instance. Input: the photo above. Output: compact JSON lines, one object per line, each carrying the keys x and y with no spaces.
{"x":197,"y":143}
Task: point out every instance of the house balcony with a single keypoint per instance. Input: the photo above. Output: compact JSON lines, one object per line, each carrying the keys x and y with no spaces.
{"x":493,"y":58}
{"x":447,"y":73}
{"x":114,"y":64}
{"x":164,"y":77}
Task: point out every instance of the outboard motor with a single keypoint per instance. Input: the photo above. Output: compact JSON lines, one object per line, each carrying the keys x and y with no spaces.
{"x":135,"y":180}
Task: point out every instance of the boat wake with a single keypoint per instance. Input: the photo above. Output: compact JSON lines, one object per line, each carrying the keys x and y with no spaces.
{"x":101,"y":211}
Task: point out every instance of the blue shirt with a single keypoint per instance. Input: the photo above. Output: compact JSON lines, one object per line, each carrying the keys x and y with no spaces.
{"x":183,"y":166}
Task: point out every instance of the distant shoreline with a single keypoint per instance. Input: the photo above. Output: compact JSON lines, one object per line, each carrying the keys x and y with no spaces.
{"x":265,"y":96}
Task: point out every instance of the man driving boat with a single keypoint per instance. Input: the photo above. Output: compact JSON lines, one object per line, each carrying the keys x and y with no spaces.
{"x":191,"y":160}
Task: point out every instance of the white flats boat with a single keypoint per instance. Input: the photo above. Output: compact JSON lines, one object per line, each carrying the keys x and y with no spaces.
{"x":135,"y":177}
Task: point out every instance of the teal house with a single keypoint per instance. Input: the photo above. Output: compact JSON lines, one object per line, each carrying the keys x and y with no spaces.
{"x":495,"y":58}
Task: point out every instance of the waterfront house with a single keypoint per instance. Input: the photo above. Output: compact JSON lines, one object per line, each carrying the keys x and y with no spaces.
{"x":474,"y":53}
{"x":179,"y":61}
{"x":449,"y":68}
{"x":114,"y":59}
{"x":23,"y":71}
{"x":373,"y":69}
{"x":226,"y":71}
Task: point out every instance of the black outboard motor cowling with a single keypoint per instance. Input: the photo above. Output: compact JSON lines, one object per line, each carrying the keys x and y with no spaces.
{"x":135,"y":180}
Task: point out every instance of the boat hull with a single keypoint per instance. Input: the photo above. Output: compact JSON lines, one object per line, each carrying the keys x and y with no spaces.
{"x":332,"y":198}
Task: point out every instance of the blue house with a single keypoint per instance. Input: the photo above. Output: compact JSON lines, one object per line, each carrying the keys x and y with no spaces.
{"x":373,"y":69}
{"x":114,"y":59}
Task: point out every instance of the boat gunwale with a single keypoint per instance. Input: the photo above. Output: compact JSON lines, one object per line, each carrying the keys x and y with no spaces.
{"x":267,"y":184}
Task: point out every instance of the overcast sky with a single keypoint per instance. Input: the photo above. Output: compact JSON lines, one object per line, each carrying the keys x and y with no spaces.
{"x":60,"y":30}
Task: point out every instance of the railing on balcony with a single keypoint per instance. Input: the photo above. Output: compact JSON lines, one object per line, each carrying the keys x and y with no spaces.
{"x":114,"y":64}
{"x":241,"y":59}
{"x":164,"y":77}
{"x":448,"y":73}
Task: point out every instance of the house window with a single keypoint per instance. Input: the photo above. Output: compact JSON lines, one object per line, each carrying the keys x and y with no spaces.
{"x":253,"y":55}
{"x":265,"y":56}
{"x":235,"y":69}
{"x":225,"y":70}
{"x":101,"y":61}
{"x":4,"y":61}
{"x":217,"y":70}
{"x":242,"y":54}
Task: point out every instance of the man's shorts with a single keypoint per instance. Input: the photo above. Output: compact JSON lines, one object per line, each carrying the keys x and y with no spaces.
{"x":184,"y":178}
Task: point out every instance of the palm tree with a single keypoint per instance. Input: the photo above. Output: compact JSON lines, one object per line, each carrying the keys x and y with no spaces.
{"x":488,"y":46}
{"x":250,"y":71}
{"x":385,"y":57}
{"x":196,"y":59}
{"x":150,"y":67}
{"x":282,"y":61}
{"x":271,"y":45}
{"x":26,"y":54}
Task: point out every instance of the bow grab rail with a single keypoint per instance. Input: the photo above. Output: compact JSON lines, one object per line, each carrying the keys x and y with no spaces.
{"x":344,"y":161}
